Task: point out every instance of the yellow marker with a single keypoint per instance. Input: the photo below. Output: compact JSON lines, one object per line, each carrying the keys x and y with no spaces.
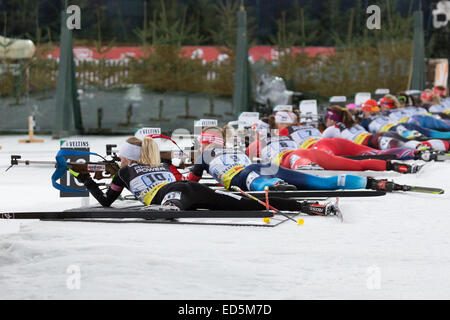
{"x":266,"y":220}
{"x":300,"y":222}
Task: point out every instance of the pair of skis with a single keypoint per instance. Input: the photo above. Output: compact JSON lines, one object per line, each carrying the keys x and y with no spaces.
{"x":310,"y":208}
{"x":171,"y":215}
{"x":164,"y":214}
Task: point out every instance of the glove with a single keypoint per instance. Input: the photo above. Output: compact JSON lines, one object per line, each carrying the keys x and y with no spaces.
{"x":82,"y":177}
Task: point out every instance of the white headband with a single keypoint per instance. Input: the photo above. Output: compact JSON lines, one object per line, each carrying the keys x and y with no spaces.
{"x":130,"y":151}
{"x":285,"y":117}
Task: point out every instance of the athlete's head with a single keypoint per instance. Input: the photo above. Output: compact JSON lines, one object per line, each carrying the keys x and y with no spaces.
{"x":388,"y":102}
{"x":426,"y":96}
{"x":145,"y":152}
{"x":211,"y":136}
{"x":402,"y":99}
{"x":284,"y":119}
{"x":440,"y":91}
{"x":370,"y":107}
{"x":335,"y":114}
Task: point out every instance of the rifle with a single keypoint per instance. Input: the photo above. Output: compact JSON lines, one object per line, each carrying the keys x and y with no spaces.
{"x":105,"y":169}
{"x":102,"y":170}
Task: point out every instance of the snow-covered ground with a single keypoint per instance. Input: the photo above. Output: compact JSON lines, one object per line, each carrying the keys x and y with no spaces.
{"x":392,"y":247}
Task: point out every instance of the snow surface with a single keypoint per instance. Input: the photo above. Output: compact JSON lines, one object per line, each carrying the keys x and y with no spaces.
{"x":392,"y":247}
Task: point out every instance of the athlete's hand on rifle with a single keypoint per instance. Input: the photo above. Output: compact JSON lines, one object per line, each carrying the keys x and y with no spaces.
{"x":101,"y":170}
{"x":81,"y":177}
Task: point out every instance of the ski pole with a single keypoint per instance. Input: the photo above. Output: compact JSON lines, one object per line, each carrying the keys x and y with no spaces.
{"x":261,"y":202}
{"x":266,"y":190}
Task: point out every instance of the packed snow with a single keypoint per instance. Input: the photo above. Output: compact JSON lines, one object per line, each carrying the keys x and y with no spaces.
{"x":392,"y":247}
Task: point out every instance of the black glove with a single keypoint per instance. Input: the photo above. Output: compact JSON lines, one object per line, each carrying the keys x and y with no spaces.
{"x":81,"y":177}
{"x":84,"y":177}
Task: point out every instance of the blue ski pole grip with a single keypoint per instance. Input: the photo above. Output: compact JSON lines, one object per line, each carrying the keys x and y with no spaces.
{"x":61,"y":168}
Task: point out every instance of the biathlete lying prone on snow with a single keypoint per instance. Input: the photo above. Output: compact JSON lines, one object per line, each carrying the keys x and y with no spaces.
{"x":340,"y":124}
{"x":153,"y":182}
{"x":299,"y":146}
{"x":233,"y":168}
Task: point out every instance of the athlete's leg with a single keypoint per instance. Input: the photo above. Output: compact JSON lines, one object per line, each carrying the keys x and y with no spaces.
{"x":192,"y":195}
{"x":436,"y":144}
{"x":310,"y":182}
{"x":332,"y":162}
{"x":251,"y":174}
{"x":256,"y":177}
{"x":341,"y":147}
{"x":384,"y":141}
{"x":390,"y":139}
{"x":425,"y":131}
{"x":429,"y":122}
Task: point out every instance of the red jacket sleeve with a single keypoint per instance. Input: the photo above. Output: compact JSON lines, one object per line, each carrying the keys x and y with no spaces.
{"x":176,"y":173}
{"x":193,"y":177}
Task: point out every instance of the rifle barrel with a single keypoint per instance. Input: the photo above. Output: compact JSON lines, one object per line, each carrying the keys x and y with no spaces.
{"x":28,"y":162}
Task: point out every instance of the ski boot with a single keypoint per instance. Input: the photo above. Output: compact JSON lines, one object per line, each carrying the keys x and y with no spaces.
{"x":319,"y":209}
{"x":431,"y":155}
{"x":383,"y":185}
{"x":402,"y":167}
{"x":173,"y":204}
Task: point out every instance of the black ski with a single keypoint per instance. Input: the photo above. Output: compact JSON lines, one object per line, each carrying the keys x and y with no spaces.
{"x":319,"y":193}
{"x":422,"y":189}
{"x":177,"y":222}
{"x":311,"y":194}
{"x":390,"y":186}
{"x":133,"y":214}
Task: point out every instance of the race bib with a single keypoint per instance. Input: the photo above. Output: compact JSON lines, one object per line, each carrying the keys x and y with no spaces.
{"x":272,"y":150}
{"x":250,"y":178}
{"x":354,"y":132}
{"x":303,"y":134}
{"x":176,"y":195}
{"x":152,"y":179}
{"x":223,"y":167}
{"x":384,"y":142}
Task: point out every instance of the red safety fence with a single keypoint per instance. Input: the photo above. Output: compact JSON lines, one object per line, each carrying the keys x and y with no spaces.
{"x":205,"y":53}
